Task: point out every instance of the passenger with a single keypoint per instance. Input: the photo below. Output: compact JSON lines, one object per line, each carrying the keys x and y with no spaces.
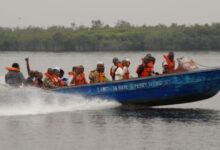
{"x":14,"y":77}
{"x":113,"y":68}
{"x":73,"y":73}
{"x":65,"y":80}
{"x":30,"y":80}
{"x":169,"y":63}
{"x":79,"y":77}
{"x":38,"y":80}
{"x":57,"y":78}
{"x":49,"y":81}
{"x":98,"y":75}
{"x":126,"y":63}
{"x":120,"y":71}
{"x":147,"y":67}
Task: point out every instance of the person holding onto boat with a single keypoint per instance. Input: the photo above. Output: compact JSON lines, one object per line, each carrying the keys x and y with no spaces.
{"x":120,"y":71}
{"x":147,"y":67}
{"x":98,"y":75}
{"x":169,"y":63}
{"x":14,"y":77}
{"x":114,"y":68}
{"x":49,"y":81}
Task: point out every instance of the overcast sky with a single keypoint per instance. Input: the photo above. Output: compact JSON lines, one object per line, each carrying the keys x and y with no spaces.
{"x":45,"y":13}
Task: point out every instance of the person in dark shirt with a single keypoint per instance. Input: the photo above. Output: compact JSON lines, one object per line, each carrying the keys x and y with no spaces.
{"x":14,"y":77}
{"x":30,"y":80}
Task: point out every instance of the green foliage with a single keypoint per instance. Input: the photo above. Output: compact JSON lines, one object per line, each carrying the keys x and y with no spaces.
{"x":100,"y":37}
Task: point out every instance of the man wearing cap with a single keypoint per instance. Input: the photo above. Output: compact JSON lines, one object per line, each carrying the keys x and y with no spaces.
{"x":126,"y":63}
{"x":121,"y":70}
{"x":14,"y":77}
{"x":98,"y":75}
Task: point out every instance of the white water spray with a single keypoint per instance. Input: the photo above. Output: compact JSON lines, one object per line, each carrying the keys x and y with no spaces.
{"x":33,"y":101}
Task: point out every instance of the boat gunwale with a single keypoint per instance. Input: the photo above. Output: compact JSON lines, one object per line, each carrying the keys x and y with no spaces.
{"x":145,"y":78}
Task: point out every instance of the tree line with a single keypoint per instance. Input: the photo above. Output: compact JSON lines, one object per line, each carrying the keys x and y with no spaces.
{"x":122,"y":36}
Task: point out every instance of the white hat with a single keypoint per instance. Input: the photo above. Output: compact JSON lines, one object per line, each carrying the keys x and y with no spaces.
{"x":100,"y":63}
{"x":127,"y":59}
{"x":56,"y":68}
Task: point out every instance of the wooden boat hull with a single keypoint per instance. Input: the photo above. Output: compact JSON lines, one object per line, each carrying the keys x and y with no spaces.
{"x":157,"y":90}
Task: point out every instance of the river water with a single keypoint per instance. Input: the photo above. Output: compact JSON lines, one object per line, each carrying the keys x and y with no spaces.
{"x":34,"y":119}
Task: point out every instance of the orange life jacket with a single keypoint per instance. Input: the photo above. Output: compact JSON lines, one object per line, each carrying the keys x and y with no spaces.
{"x":36,"y":84}
{"x":58,"y":80}
{"x":147,"y":70}
{"x":171,"y":64}
{"x":80,"y":79}
{"x":12,"y":69}
{"x":51,"y":78}
{"x":126,"y":76}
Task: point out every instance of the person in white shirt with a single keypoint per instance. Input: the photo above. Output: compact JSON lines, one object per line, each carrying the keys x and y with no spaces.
{"x":120,"y":72}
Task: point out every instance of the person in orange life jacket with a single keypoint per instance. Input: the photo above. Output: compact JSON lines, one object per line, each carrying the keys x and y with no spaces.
{"x":82,"y":74}
{"x":38,"y":80}
{"x":126,"y":63}
{"x":79,"y":77}
{"x":120,"y":71}
{"x":30,"y":80}
{"x":147,"y":67}
{"x":113,"y":68}
{"x":57,"y":78}
{"x":14,"y":77}
{"x":72,"y":82}
{"x":98,"y":75}
{"x":169,"y":63}
{"x":49,"y":81}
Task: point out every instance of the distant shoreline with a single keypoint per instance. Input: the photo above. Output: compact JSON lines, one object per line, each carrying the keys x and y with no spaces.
{"x":123,"y":37}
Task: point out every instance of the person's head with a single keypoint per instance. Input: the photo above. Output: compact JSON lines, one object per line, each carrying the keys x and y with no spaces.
{"x":16,"y":65}
{"x":56,"y":72}
{"x":50,"y":71}
{"x":100,"y":67}
{"x":39,"y":76}
{"x":81,"y":68}
{"x":77,"y":70}
{"x":61,"y":73}
{"x":171,"y":55}
{"x":128,"y":62}
{"x":115,"y":59}
{"x":74,"y":68}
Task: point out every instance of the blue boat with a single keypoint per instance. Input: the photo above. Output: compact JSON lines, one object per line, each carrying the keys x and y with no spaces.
{"x":167,"y":89}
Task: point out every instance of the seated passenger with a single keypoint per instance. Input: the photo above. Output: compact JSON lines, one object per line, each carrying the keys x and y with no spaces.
{"x":30,"y":80}
{"x":49,"y":81}
{"x":120,"y":71}
{"x":113,"y":68}
{"x":79,"y":77}
{"x":65,"y":80}
{"x":126,"y":63}
{"x":14,"y":77}
{"x":71,"y":82}
{"x":147,"y":67}
{"x":169,"y":63}
{"x":57,"y":78}
{"x":98,"y":75}
{"x":38,"y":80}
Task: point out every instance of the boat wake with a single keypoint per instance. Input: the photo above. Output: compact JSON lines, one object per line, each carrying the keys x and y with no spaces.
{"x":33,"y":101}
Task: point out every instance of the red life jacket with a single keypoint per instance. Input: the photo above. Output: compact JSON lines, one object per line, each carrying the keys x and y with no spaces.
{"x":171,"y":64}
{"x":51,"y":78}
{"x":12,"y":69}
